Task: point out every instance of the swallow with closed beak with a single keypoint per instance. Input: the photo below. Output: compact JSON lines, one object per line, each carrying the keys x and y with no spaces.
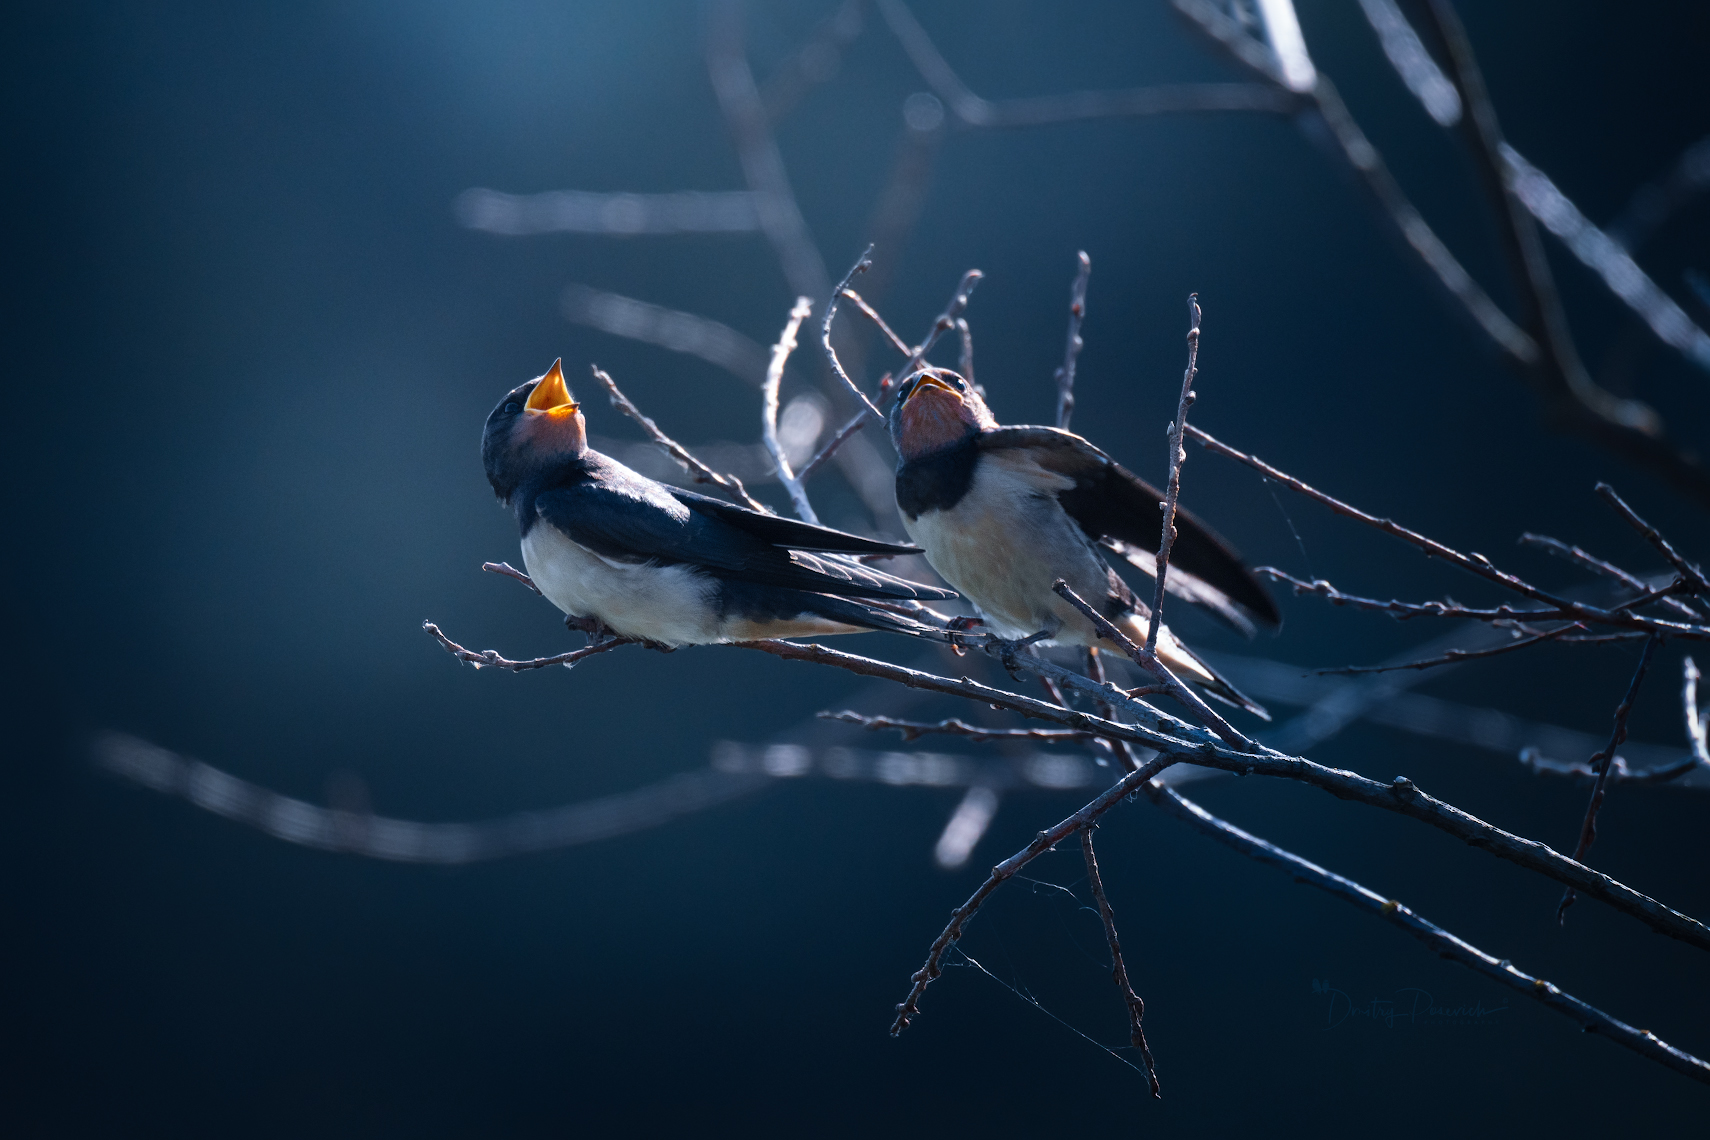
{"x":1003,"y":512}
{"x":664,"y":565}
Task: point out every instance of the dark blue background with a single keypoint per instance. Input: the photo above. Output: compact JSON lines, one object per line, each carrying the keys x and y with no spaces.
{"x":249,"y":351}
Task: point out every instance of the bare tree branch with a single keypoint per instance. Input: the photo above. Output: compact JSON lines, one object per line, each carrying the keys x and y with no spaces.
{"x":970,"y":110}
{"x":1148,"y":660}
{"x":688,"y":333}
{"x":909,"y":1008}
{"x":1607,"y":569}
{"x":1197,"y":747}
{"x":1603,"y":763}
{"x":814,"y":63}
{"x":491,"y":658}
{"x":613,"y":215}
{"x":769,"y":410}
{"x":868,"y":408}
{"x":1692,"y":575}
{"x":1474,"y":563}
{"x":1065,"y":375}
{"x":1118,"y":967}
{"x":730,"y":484}
{"x":1591,"y":1019}
{"x":409,"y":841}
{"x":1173,"y":484}
{"x":757,"y":151}
{"x":914,"y":730}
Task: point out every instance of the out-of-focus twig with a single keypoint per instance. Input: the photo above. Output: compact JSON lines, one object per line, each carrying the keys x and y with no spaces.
{"x":757,"y":151}
{"x":970,"y":110}
{"x":671,"y":329}
{"x":815,"y":62}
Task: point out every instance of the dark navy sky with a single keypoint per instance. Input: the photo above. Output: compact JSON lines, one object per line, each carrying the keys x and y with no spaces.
{"x":250,"y":350}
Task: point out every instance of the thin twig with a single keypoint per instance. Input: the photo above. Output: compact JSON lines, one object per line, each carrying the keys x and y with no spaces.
{"x":913,"y":729}
{"x":1580,"y":557}
{"x":1473,"y":563}
{"x":1184,"y":742}
{"x":909,"y":1008}
{"x":1604,"y":763}
{"x":491,"y":658}
{"x":769,"y":410}
{"x":1697,"y":726}
{"x":702,"y":473}
{"x":1687,"y":570}
{"x":944,"y":322}
{"x":1619,"y":615}
{"x":872,"y":314}
{"x":970,"y":110}
{"x":1065,"y":374}
{"x":1556,"y":372}
{"x":1590,"y":1018}
{"x":814,"y":63}
{"x":868,"y":408}
{"x":1172,"y":488}
{"x":1148,"y":660}
{"x":505,"y":569}
{"x":1119,"y":968}
{"x":832,"y":444}
{"x":1456,"y":656}
{"x":965,"y":363}
{"x":757,"y":150}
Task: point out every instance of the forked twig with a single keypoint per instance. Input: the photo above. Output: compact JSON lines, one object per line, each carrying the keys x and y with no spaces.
{"x":1687,"y":570}
{"x":909,"y":1008}
{"x":1119,"y":968}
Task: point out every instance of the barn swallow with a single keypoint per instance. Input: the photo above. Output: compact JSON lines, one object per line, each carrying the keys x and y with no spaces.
{"x":1003,"y":512}
{"x":665,"y":565}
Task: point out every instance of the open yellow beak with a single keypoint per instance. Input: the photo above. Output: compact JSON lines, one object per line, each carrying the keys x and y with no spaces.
{"x":552,"y":394}
{"x":927,"y":379}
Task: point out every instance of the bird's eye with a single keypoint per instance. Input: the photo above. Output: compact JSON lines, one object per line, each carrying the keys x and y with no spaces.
{"x":512,"y":407}
{"x":961,"y":384}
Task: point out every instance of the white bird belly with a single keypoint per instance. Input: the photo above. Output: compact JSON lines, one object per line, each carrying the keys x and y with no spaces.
{"x":1006,"y":541}
{"x":670,"y":604}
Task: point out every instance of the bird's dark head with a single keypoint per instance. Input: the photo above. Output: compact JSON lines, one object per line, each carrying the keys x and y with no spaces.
{"x":536,"y":426}
{"x":936,"y":409}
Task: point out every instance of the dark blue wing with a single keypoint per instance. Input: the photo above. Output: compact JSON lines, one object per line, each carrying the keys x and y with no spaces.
{"x":625,"y":517}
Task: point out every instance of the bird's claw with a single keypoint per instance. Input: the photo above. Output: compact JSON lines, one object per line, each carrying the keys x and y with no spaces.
{"x":1009,"y":650}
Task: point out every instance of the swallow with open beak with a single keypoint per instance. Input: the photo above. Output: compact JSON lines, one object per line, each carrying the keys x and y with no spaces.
{"x":1003,"y":512}
{"x":665,"y":565}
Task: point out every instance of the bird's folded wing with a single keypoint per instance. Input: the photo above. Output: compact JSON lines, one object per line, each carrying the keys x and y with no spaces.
{"x":637,"y":522}
{"x":1109,"y":501}
{"x":787,"y":532}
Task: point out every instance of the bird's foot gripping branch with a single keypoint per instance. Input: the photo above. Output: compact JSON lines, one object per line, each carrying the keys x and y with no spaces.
{"x":1146,"y":740}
